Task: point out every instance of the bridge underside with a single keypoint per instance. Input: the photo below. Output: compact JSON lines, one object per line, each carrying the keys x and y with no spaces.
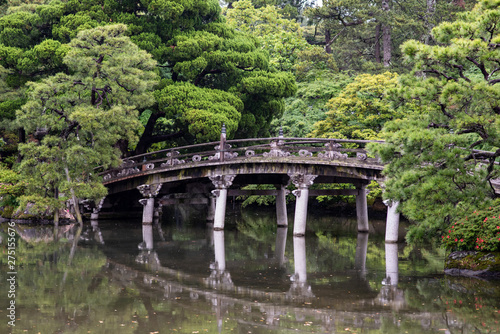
{"x":214,"y":181}
{"x":246,"y":173}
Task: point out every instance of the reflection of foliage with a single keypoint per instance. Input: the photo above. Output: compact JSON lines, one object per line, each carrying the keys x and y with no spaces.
{"x":256,"y":199}
{"x":263,"y":199}
{"x":260,"y":228}
{"x":56,"y":296}
{"x":474,"y":302}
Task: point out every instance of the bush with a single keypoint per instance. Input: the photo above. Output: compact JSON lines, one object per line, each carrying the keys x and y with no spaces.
{"x":478,"y":231}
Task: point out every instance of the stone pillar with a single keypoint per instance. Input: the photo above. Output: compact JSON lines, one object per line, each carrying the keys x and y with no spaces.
{"x":392,"y":222}
{"x":360,"y":257}
{"x":279,"y":252}
{"x":211,"y":208}
{"x":149,"y":191}
{"x":391,"y":264}
{"x":302,"y":182}
{"x":362,"y":209}
{"x":95,"y":212}
{"x":281,"y":214}
{"x":221,"y":183}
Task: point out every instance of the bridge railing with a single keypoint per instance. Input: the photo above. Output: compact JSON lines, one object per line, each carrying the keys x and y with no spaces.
{"x":241,"y":149}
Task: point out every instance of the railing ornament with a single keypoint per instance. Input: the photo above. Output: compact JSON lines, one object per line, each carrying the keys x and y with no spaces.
{"x":249,"y":153}
{"x":127,"y":171}
{"x":276,"y":151}
{"x":305,"y":153}
{"x":172,"y":160}
{"x":361,"y":156}
{"x":332,"y":152}
{"x":227,"y":155}
{"x":196,"y":158}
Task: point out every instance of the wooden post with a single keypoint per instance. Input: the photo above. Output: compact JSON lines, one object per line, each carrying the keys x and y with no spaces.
{"x":222,"y":144}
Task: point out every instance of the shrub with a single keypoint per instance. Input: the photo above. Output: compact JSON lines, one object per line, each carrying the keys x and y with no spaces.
{"x":478,"y":231}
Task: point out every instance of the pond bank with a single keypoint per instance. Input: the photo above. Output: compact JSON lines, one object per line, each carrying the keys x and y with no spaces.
{"x":473,"y":264}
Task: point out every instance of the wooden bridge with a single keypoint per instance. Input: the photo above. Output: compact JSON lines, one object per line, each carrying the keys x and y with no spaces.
{"x":224,"y":167}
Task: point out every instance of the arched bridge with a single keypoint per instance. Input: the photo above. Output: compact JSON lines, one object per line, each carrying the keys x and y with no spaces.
{"x":224,"y":167}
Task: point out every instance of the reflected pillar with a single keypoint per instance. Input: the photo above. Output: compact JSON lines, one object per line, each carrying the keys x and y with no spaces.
{"x":221,"y":183}
{"x":391,"y":264}
{"x":97,"y":231}
{"x":219,"y":278}
{"x":299,"y":258}
{"x":279,"y":252}
{"x":299,"y":289}
{"x":219,"y":250}
{"x":392,"y":222}
{"x":281,"y":214}
{"x":360,"y":257}
{"x":149,"y":191}
{"x":362,"y":208}
{"x":147,"y":236}
{"x":302,"y":182}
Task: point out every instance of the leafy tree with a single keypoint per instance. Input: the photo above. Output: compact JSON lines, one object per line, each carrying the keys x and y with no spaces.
{"x":279,"y":36}
{"x":360,"y":110}
{"x":80,"y":118}
{"x":187,"y":38}
{"x":307,"y":107}
{"x":366,"y":35}
{"x":444,"y":156}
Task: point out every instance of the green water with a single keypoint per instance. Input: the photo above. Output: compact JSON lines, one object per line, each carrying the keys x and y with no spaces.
{"x":182,"y":277}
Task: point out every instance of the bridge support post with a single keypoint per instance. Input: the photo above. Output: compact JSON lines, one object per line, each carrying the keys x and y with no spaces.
{"x":281,"y":214}
{"x":302,"y":182}
{"x":149,"y":191}
{"x":221,"y":183}
{"x":211,"y":208}
{"x":362,"y":209}
{"x":392,"y":222}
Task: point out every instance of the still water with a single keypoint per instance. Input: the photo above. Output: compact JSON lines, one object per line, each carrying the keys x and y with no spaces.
{"x":180,"y":276}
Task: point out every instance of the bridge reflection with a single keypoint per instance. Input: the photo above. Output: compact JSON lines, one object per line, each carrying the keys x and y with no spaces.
{"x":300,"y":290}
{"x":336,"y":303}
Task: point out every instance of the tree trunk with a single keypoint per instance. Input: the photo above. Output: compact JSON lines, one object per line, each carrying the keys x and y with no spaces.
{"x":429,"y":15}
{"x":386,"y":36}
{"x":56,"y":219}
{"x":377,"y":43}
{"x":73,"y":197}
{"x":328,"y":41}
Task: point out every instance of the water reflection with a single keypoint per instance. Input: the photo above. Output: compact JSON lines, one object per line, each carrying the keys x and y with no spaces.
{"x":194,"y":279}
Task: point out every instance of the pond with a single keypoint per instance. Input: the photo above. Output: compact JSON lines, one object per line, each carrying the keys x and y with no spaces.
{"x":181,"y":276}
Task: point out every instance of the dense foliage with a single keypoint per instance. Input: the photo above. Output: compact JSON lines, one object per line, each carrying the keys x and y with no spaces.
{"x":439,"y":168}
{"x":479,"y":230}
{"x":84,"y":83}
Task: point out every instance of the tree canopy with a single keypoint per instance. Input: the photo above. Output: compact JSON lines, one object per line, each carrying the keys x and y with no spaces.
{"x":188,"y":39}
{"x":77,"y":120}
{"x":439,"y":168}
